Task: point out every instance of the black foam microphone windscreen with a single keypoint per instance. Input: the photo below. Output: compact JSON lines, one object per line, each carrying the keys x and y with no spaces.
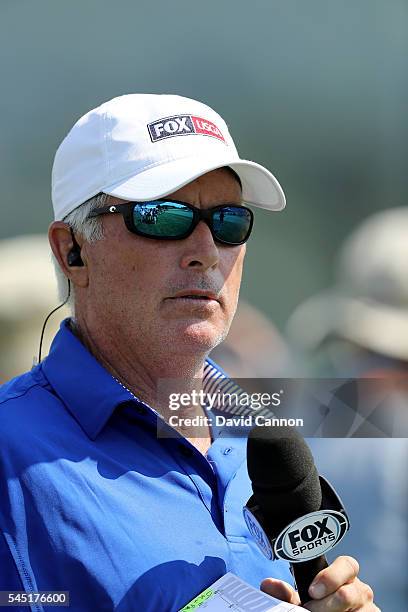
{"x":286,"y":486}
{"x":284,"y":477}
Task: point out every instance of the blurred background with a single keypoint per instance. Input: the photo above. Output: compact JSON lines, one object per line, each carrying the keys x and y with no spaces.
{"x":317,"y":92}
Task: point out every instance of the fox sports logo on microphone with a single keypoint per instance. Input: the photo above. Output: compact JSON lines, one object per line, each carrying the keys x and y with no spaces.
{"x":311,"y":535}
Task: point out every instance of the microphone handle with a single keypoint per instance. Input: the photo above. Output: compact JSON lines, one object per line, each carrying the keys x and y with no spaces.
{"x":304,"y":573}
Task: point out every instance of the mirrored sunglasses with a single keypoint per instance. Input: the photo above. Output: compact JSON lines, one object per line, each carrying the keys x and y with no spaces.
{"x":166,"y":219}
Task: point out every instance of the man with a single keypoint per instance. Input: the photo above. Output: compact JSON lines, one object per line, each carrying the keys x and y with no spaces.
{"x":94,"y":502}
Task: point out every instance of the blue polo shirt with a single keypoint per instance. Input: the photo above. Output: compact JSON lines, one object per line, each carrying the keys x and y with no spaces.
{"x":94,"y":503}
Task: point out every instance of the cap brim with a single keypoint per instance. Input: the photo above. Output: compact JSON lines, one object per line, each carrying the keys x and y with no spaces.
{"x":377,"y":327}
{"x":259,"y":187}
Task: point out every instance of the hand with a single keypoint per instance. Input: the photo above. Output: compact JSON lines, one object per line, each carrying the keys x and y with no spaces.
{"x":335,"y":589}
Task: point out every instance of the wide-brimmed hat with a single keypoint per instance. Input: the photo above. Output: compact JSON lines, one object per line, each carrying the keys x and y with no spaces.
{"x":368,"y":305}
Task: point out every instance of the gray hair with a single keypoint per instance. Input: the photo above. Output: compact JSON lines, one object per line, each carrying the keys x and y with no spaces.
{"x":90,"y":230}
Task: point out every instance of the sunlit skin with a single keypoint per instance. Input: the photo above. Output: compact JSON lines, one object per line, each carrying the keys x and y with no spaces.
{"x":126,"y":308}
{"x":128,"y":318}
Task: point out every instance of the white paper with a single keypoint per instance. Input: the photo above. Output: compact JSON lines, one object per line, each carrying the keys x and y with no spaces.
{"x":230,"y":593}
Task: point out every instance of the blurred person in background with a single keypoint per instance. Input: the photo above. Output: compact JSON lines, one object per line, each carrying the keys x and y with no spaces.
{"x":254,"y":348}
{"x":359,"y":328}
{"x":27,"y":293}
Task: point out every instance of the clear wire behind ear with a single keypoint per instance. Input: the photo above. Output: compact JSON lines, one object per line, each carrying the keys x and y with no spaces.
{"x":35,"y":360}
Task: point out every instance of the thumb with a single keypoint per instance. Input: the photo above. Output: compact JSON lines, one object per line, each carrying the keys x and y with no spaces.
{"x":281,"y":590}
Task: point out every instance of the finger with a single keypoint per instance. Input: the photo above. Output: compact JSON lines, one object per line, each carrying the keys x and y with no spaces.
{"x":342,"y":571}
{"x":348,"y":598}
{"x":281,"y":590}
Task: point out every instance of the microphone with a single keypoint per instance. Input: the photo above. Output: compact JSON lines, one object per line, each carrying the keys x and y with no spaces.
{"x":293,"y":514}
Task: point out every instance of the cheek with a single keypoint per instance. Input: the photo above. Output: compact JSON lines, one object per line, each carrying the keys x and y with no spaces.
{"x":129,"y":279}
{"x":111,"y":276}
{"x":233,"y":274}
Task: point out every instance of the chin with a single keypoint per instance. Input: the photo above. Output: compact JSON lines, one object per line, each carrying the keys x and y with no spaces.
{"x":201,"y":336}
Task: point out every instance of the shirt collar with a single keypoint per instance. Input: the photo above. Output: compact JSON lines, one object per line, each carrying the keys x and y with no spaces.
{"x":87,"y":389}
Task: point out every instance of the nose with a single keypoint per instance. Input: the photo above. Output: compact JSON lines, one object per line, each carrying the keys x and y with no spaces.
{"x":200,"y":251}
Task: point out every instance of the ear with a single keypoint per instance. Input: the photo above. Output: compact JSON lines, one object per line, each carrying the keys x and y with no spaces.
{"x":59,"y":236}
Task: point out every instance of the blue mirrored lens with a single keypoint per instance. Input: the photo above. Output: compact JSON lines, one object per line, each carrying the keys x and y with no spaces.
{"x":162,"y":219}
{"x":231,"y":224}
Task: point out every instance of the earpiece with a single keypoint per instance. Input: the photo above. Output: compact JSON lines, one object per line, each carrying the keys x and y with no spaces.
{"x":73,"y":259}
{"x":74,"y":256}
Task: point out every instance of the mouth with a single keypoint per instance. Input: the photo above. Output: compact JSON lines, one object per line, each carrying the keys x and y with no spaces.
{"x":196,"y":295}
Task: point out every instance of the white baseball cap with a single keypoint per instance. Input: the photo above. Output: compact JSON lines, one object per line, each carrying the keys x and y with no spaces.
{"x":145,"y":146}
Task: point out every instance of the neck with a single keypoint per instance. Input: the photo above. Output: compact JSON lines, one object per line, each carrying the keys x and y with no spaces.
{"x":153,"y":377}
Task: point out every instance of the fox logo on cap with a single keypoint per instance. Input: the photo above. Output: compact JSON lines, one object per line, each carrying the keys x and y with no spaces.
{"x":182,"y":125}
